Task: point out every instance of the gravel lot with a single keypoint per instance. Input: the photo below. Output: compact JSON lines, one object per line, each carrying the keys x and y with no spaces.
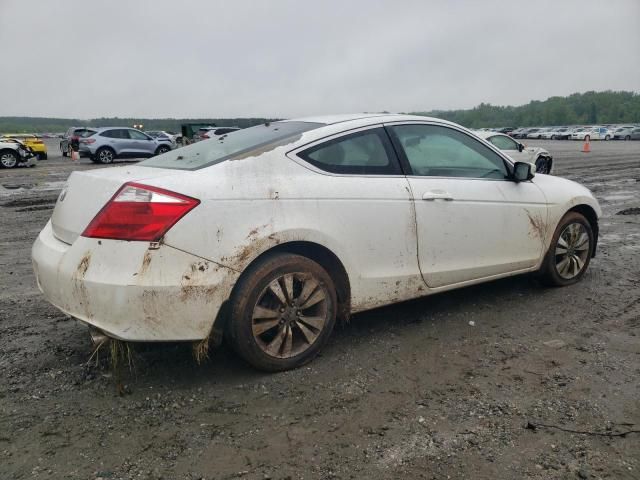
{"x":442,"y":387}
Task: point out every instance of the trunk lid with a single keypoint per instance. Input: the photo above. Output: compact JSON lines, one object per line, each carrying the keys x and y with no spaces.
{"x":87,"y":192}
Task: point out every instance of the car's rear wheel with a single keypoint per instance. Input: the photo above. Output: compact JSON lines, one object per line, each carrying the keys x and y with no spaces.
{"x":607,"y":138}
{"x":104,"y":155}
{"x":8,"y":159}
{"x":162,"y":149}
{"x":282,"y":312}
{"x":628,"y":137}
{"x":42,"y":156}
{"x":553,"y":137}
{"x":570,"y":251}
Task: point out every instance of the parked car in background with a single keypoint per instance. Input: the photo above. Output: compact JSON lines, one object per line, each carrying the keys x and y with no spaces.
{"x":592,"y":133}
{"x":518,"y":132}
{"x":540,"y":158}
{"x":129,"y":251}
{"x":534,"y":133}
{"x":14,"y":153}
{"x":206,"y":133}
{"x":108,"y":143}
{"x":624,"y":132}
{"x":559,"y":133}
{"x":73,"y":134}
{"x":525,"y":132}
{"x":163,"y":134}
{"x":506,"y":130}
{"x":31,"y":141}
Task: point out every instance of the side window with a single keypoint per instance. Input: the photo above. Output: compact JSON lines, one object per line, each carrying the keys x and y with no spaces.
{"x":136,"y":135}
{"x":437,"y":151}
{"x":365,"y":153}
{"x":109,"y":134}
{"x":503,"y":143}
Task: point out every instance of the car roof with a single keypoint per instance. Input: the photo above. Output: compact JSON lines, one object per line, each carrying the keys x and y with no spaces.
{"x":356,"y":120}
{"x":102,"y":129}
{"x":487,"y":134}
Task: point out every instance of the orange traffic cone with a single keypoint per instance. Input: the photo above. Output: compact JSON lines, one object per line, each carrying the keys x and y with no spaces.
{"x":586,"y":148}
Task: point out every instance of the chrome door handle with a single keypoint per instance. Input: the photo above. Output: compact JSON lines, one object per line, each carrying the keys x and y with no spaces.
{"x":437,"y":195}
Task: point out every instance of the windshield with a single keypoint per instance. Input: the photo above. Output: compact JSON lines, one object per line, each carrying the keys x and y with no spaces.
{"x":233,"y":144}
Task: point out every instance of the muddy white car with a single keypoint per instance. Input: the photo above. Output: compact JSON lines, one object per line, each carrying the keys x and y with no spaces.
{"x":539,"y":157}
{"x":271,"y":233}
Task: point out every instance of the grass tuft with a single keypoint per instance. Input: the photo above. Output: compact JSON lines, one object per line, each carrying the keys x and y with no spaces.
{"x":201,"y":350}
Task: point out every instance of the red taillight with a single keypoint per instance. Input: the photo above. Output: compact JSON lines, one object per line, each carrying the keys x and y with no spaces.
{"x":87,"y":140}
{"x":204,"y":135}
{"x":139,"y":212}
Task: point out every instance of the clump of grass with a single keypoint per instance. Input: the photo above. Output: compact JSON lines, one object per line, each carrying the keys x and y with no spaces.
{"x":120,"y":355}
{"x":201,"y":350}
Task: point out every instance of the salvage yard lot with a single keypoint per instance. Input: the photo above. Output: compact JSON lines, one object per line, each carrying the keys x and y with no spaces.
{"x":437,"y":387}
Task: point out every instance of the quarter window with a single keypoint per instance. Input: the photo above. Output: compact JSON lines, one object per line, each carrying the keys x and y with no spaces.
{"x":115,"y":133}
{"x":364,"y":153}
{"x":437,"y":151}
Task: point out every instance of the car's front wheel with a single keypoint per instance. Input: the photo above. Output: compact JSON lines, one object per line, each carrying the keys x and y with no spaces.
{"x":8,"y":159}
{"x":607,"y":138}
{"x":570,"y":251}
{"x":104,"y":155}
{"x":282,"y":312}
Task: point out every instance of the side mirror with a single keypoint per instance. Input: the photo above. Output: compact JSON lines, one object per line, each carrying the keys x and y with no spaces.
{"x":520,"y":147}
{"x":522,"y":171}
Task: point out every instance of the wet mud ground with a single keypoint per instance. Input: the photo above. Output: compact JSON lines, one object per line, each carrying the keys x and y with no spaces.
{"x":408,"y":391}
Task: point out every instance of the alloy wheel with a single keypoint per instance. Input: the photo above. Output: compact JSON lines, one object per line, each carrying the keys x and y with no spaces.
{"x":8,"y":160}
{"x":105,"y":156}
{"x":290,"y":314}
{"x":572,"y":250}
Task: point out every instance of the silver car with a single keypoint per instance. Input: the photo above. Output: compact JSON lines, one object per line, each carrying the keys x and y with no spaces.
{"x":109,"y":143}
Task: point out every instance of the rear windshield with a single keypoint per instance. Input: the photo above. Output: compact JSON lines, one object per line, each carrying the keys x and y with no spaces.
{"x":233,"y":144}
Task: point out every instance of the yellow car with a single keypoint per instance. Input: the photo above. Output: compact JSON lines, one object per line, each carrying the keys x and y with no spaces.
{"x":33,"y":142}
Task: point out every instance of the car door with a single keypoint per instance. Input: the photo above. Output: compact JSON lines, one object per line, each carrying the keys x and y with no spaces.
{"x":141,"y":144}
{"x":473,"y":222}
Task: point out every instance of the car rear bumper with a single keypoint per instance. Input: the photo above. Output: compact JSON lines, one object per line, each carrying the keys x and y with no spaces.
{"x":129,"y":291}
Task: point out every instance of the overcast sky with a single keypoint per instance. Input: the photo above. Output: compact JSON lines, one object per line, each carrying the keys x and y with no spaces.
{"x":287,"y":58}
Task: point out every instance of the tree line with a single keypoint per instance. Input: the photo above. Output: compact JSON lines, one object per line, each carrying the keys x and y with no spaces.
{"x":587,"y":108}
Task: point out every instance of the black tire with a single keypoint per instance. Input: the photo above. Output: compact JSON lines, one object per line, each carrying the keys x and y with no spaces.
{"x":104,"y":155}
{"x":553,"y":137}
{"x":607,"y":138}
{"x":628,"y":137}
{"x":8,"y":159}
{"x":550,"y":273}
{"x":42,"y":156}
{"x":253,"y":293}
{"x":162,"y":149}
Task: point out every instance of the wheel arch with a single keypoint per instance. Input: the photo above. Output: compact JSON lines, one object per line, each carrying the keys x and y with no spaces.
{"x":322,"y":256}
{"x":592,"y":217}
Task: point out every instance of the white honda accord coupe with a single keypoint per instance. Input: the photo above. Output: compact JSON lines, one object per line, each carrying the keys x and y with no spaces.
{"x":271,"y":233}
